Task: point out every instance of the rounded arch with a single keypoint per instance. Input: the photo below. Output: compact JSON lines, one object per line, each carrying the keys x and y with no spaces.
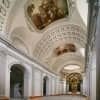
{"x":71,"y":63}
{"x":17,"y":81}
{"x":46,"y":85}
{"x":67,"y":59}
{"x":69,"y":33}
{"x":28,"y":69}
{"x":27,"y":75}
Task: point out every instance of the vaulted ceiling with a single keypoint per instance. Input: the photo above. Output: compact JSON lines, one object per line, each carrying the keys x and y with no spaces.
{"x":51,"y":31}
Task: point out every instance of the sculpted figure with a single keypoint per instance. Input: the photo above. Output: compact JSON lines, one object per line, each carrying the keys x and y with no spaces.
{"x":17,"y":90}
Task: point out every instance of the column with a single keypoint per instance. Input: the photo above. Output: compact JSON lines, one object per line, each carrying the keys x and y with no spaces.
{"x":37,"y":82}
{"x":2,"y":73}
{"x":53,"y":86}
{"x":98,"y":57}
{"x":57,"y":85}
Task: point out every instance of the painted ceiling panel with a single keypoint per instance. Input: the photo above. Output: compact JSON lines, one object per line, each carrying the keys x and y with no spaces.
{"x":44,"y":12}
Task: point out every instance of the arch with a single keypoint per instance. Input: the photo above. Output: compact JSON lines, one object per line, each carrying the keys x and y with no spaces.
{"x":71,"y":63}
{"x":45,"y":86}
{"x":17,"y":81}
{"x":68,"y":33}
{"x":27,"y":78}
{"x":66,"y":59}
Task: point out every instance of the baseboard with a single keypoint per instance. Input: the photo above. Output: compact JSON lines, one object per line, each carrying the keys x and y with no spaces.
{"x":4,"y":98}
{"x":32,"y":97}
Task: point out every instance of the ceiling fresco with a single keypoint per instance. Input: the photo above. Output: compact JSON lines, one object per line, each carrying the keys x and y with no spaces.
{"x":44,"y":12}
{"x":66,"y":48}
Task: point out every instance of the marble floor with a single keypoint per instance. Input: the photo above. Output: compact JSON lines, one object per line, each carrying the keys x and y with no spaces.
{"x":65,"y":97}
{"x":62,"y":98}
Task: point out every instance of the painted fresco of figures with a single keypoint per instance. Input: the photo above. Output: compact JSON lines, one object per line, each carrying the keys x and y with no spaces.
{"x":48,"y":11}
{"x":36,"y":19}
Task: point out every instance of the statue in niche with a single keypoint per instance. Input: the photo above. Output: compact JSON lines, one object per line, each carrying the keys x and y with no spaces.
{"x":48,"y":11}
{"x":17,"y":90}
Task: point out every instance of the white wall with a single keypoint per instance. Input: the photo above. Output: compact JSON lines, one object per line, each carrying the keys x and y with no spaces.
{"x":89,"y":81}
{"x":84,"y":87}
{"x":93,"y":85}
{"x":57,"y":85}
{"x":10,"y":61}
{"x":93,"y":78}
{"x":2,"y":73}
{"x":33,"y":78}
{"x":37,"y":83}
{"x":82,"y":6}
{"x":53,"y":86}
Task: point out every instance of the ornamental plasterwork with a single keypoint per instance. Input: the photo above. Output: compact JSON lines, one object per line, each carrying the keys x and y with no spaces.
{"x":59,"y":52}
{"x":58,"y":63}
{"x":65,"y":48}
{"x":74,"y":79}
{"x":64,"y":34}
{"x":4,"y":9}
{"x":66,"y":59}
{"x":40,"y":14}
{"x":78,"y":75}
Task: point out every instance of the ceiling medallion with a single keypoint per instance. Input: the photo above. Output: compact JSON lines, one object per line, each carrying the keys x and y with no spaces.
{"x":41,"y":13}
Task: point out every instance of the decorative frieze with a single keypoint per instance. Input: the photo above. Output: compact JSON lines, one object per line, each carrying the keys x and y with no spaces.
{"x":64,"y":34}
{"x":5,"y":5}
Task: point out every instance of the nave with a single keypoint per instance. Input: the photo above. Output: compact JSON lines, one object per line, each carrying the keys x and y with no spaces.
{"x":47,"y":48}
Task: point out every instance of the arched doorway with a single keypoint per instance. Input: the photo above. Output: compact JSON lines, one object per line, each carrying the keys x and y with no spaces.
{"x":17,"y":81}
{"x":45,"y":86}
